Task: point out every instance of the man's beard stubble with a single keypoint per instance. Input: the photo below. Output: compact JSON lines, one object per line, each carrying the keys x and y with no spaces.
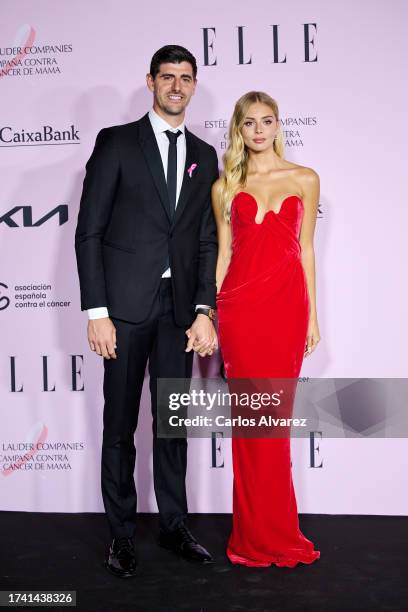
{"x":170,"y":110}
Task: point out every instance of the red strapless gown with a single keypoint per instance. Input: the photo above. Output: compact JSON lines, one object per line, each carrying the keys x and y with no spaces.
{"x":263,"y":312}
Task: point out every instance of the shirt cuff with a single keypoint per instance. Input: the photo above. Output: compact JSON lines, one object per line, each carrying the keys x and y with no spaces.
{"x":97,"y":313}
{"x":202,"y":306}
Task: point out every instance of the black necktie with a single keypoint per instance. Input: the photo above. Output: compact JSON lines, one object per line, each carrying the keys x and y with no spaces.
{"x":172,"y":169}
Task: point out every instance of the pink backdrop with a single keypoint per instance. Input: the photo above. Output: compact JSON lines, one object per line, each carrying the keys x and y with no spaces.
{"x":344,"y":115}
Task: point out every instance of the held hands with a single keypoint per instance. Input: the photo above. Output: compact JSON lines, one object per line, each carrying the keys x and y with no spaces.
{"x":202,"y":337}
{"x":313,"y":336}
{"x":102,"y":337}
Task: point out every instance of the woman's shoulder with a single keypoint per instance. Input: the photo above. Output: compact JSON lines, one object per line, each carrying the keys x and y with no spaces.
{"x":305,"y":175}
{"x":303,"y":171}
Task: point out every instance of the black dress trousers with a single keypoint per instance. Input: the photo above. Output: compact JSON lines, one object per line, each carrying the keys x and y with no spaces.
{"x":157,"y":341}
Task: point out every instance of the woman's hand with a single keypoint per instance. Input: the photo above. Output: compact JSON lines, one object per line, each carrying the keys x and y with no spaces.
{"x":313,"y":336}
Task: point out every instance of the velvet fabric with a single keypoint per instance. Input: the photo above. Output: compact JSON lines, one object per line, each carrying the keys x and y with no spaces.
{"x":263,"y":312}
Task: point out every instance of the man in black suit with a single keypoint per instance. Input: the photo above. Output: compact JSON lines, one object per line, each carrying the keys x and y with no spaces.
{"x":146,"y":252}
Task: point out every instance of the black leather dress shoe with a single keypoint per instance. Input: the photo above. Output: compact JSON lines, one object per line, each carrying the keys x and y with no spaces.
{"x":121,"y":561}
{"x":182,"y":542}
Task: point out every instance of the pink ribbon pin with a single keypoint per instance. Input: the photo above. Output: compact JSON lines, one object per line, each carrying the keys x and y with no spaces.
{"x":191,"y":170}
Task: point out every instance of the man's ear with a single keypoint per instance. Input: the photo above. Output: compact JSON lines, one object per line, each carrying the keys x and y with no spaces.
{"x":150,"y":81}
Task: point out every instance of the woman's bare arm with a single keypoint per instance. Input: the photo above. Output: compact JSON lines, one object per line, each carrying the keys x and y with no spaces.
{"x":311,"y":194}
{"x":224,"y":235}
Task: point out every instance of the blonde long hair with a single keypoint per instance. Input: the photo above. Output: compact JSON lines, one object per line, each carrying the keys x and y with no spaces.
{"x":236,"y":156}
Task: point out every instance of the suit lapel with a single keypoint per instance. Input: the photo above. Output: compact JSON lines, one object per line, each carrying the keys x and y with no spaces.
{"x":192,"y":157}
{"x":151,"y":153}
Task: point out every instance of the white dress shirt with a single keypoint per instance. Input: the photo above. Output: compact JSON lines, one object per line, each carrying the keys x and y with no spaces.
{"x":159,"y":126}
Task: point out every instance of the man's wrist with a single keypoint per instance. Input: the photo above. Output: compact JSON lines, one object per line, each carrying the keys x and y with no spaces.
{"x":98,"y":313}
{"x":206,"y":311}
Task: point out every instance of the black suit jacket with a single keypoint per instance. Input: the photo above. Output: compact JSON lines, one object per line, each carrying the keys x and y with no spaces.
{"x":125,"y":232}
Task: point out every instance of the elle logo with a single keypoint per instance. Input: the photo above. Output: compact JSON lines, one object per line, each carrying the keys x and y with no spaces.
{"x":75,"y":369}
{"x":315,"y":451}
{"x":27,"y":216}
{"x":244,"y":57}
{"x":316,"y":459}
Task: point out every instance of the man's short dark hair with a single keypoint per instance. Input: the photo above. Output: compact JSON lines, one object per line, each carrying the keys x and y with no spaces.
{"x":173,"y":54}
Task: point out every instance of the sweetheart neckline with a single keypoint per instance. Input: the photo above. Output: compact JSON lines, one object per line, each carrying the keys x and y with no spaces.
{"x":271,"y":210}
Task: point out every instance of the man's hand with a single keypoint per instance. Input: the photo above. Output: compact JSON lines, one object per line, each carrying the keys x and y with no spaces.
{"x":102,"y":337}
{"x":202,"y":337}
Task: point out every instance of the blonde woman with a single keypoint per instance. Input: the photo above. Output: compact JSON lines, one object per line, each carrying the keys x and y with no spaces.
{"x":265,"y":208}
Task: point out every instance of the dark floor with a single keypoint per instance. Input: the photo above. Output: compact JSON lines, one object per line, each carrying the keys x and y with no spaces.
{"x":363,"y":566}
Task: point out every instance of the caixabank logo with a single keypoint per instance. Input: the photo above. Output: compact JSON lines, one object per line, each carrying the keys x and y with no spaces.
{"x":40,"y":136}
{"x":26,"y":56}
